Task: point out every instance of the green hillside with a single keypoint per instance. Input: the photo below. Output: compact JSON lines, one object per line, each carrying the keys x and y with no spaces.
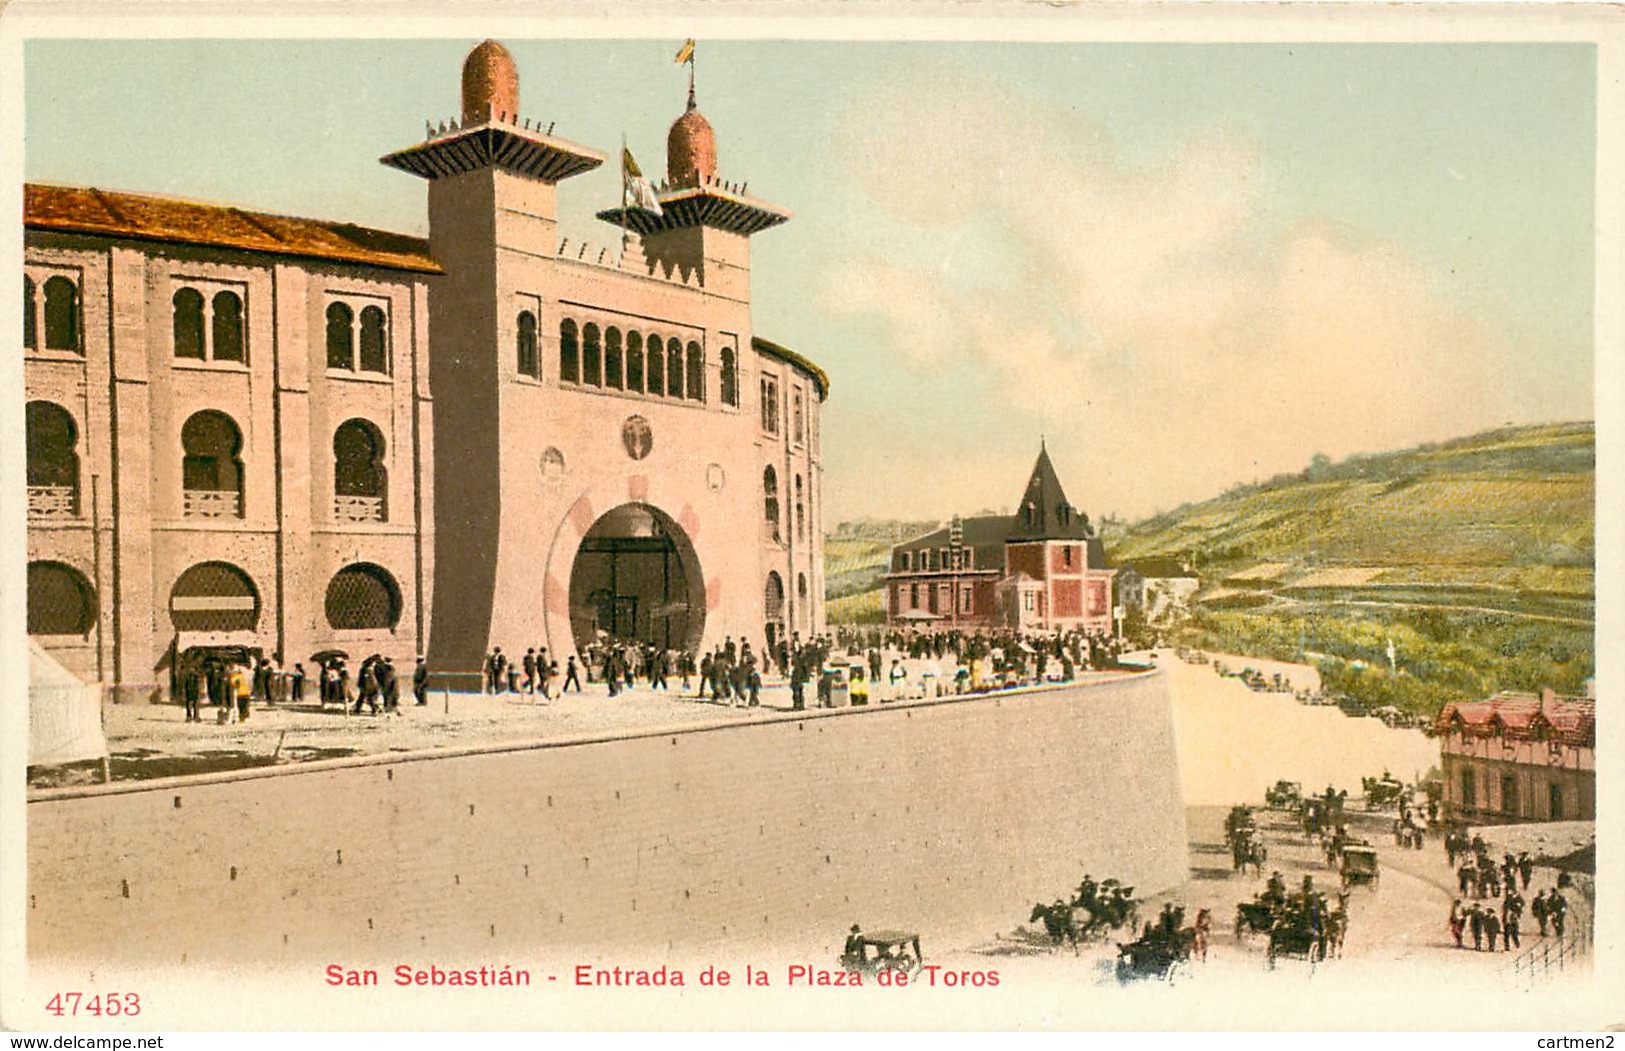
{"x":1474,"y":556}
{"x":1502,"y":520}
{"x":855,"y":556}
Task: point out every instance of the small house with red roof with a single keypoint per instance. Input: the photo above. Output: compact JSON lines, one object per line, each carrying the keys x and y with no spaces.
{"x":1519,"y":757}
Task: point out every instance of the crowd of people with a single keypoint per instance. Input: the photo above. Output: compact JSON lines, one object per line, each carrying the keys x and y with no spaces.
{"x":734,"y":672}
{"x":232,"y":684}
{"x":1493,"y":917}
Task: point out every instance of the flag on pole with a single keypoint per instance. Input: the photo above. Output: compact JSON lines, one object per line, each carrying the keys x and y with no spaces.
{"x":685,"y":53}
{"x":637,"y":191}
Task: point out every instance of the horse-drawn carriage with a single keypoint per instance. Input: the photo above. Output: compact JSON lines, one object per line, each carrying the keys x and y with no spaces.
{"x":1284,"y":795}
{"x":1318,"y":813}
{"x":1247,"y":849}
{"x":1382,"y":792}
{"x":884,"y":950}
{"x":1359,"y":865}
{"x":1295,"y":941}
{"x":1159,"y":950}
{"x":1237,"y":823}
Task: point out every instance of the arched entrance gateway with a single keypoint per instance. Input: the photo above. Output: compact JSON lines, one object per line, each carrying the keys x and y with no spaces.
{"x":636,"y":577}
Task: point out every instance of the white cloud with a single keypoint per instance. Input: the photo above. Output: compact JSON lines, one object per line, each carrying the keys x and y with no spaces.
{"x":1212,"y":342}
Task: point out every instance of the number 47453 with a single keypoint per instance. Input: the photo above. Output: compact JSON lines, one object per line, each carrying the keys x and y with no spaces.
{"x":97,"y":1004}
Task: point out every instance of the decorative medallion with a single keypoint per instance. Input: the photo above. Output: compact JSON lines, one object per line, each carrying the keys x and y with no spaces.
{"x":552,"y":467}
{"x":714,"y":477}
{"x":637,"y":436}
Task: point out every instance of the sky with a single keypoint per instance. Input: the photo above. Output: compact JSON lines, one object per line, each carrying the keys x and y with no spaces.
{"x":1181,"y":266}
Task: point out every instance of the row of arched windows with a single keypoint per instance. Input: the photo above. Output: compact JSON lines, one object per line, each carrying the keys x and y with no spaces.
{"x":211,"y":464}
{"x":630,"y":361}
{"x":770,"y":505}
{"x":59,"y":317}
{"x":211,"y":596}
{"x":209,"y":329}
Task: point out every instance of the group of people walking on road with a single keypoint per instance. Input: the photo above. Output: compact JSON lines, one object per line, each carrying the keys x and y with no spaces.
{"x":1493,"y":918}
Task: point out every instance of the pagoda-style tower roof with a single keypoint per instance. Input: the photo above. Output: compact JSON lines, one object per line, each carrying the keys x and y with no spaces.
{"x":1043,"y":512}
{"x":692,"y":194}
{"x":712,"y":203}
{"x":500,"y":141}
{"x":491,"y":133}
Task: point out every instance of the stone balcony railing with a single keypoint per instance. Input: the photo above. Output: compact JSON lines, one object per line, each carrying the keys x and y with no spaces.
{"x":53,"y":501}
{"x":211,"y":503}
{"x":358,"y":508}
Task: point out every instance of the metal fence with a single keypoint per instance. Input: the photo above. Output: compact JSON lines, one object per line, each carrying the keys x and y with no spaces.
{"x":1552,"y":957}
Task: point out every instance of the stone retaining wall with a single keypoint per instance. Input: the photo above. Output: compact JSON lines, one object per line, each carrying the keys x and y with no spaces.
{"x":951,"y":817}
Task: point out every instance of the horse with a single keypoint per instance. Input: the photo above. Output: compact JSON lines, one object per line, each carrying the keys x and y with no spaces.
{"x":1337,"y":926}
{"x":1253,"y":916}
{"x":1057,"y":919}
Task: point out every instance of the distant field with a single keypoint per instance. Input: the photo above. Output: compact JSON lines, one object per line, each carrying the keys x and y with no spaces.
{"x":1474,"y":557}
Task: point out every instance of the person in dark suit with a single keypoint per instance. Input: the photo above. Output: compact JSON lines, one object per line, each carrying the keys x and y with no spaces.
{"x":530,"y":671}
{"x":420,"y":682}
{"x":390,"y":685}
{"x":570,"y":676}
{"x":189,"y":694}
{"x":296,"y":683}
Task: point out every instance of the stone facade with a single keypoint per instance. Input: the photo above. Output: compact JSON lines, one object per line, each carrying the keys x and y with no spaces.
{"x":139,"y":525}
{"x":677,"y":844}
{"x":492,"y":444}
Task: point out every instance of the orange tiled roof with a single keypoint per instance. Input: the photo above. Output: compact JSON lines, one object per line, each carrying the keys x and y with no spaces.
{"x":1572,"y":720}
{"x":87,"y":210}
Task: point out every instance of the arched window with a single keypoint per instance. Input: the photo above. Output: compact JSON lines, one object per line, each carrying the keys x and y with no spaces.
{"x":657,"y":366}
{"x":569,"y":353}
{"x":53,"y":465}
{"x":211,"y":470}
{"x":801,"y":590}
{"x":228,"y":327}
{"x":773,"y":597}
{"x":696,"y":373}
{"x":730,"y":377}
{"x":674,"y":368}
{"x":590,"y":356}
{"x":770,"y":500}
{"x":187,"y":323}
{"x":801,"y":513}
{"x":340,"y":337}
{"x":363,"y":596}
{"x":800,"y":418}
{"x":530,"y":363}
{"x":61,"y":314}
{"x":374,"y":341}
{"x":634,"y":362}
{"x":214,"y":596}
{"x":30,"y":329}
{"x":612,"y":359}
{"x":60,"y":600}
{"x":360,"y":474}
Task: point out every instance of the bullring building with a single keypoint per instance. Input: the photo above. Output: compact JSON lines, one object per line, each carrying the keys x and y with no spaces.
{"x":256,"y":433}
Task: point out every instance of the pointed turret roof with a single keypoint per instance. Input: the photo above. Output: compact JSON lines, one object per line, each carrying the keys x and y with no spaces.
{"x":1044,"y":512}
